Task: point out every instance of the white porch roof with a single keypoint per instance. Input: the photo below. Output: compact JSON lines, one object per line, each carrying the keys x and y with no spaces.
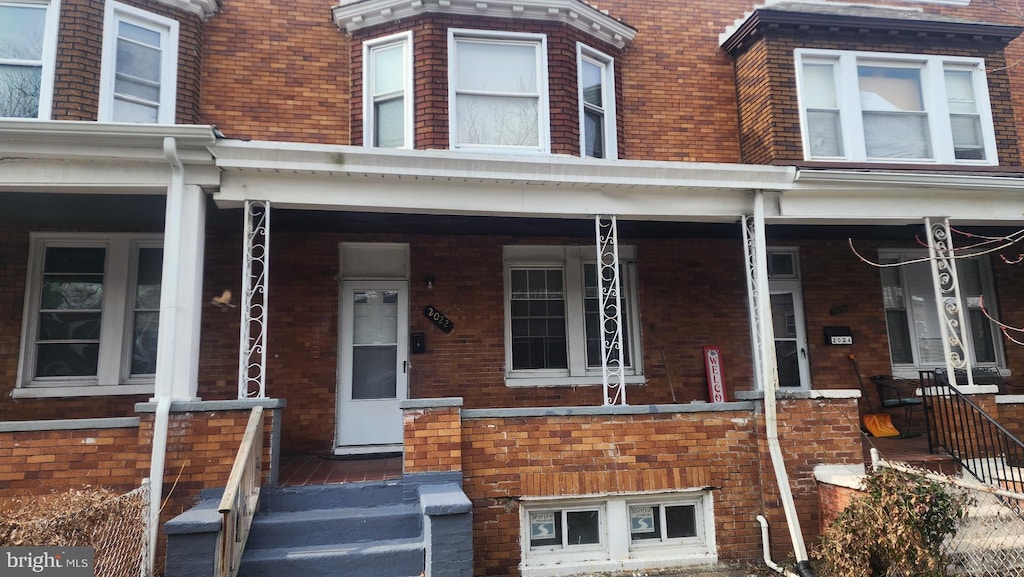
{"x":352,"y":178}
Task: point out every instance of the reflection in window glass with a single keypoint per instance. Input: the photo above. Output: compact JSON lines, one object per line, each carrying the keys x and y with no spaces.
{"x":70,"y":312}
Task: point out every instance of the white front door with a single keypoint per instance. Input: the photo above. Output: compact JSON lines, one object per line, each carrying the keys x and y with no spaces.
{"x":373,"y":366}
{"x":790,"y":333}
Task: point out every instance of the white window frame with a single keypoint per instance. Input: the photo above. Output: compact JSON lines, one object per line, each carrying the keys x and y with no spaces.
{"x":617,"y":551}
{"x":403,"y":39}
{"x":910,"y":370}
{"x":606,"y":63}
{"x":570,"y":259}
{"x":48,"y":57}
{"x":540,"y":41}
{"x":116,"y":330}
{"x":933,"y":92}
{"x":168,"y":29}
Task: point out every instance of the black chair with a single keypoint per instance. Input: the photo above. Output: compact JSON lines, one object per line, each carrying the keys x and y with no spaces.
{"x":894,"y":392}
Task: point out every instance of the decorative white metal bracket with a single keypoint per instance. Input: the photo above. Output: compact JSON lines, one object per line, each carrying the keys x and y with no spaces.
{"x":252,"y":340}
{"x":947,"y":299}
{"x":610,"y":305}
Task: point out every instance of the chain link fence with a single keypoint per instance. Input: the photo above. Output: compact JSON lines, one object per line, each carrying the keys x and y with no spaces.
{"x":114,"y":525}
{"x":990,"y":540}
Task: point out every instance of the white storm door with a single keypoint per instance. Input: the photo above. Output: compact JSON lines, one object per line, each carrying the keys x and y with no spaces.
{"x":790,"y":334}
{"x":373,"y":366}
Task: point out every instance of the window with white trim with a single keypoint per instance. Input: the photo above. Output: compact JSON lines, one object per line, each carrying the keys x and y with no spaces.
{"x":28,"y":49}
{"x":498,"y":91}
{"x":596,"y":81}
{"x":908,"y":294}
{"x":92,"y":314}
{"x":139,"y":75}
{"x":881,"y":107}
{"x":388,"y":92}
{"x":552,"y":317}
{"x":620,"y":532}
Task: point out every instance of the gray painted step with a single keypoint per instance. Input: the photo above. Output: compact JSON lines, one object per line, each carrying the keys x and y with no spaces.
{"x":334,"y":526}
{"x":369,"y":494}
{"x":394,"y":558}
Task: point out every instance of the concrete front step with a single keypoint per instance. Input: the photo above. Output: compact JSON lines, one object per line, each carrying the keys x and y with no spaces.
{"x":392,"y":558}
{"x":342,"y":495}
{"x":341,"y":530}
{"x":334,"y":526}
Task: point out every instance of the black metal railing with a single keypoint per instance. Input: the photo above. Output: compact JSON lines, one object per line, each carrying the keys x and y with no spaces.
{"x":967,"y":433}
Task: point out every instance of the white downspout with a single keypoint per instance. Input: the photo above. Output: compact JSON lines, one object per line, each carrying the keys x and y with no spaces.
{"x":165,"y":366}
{"x":770,"y":374}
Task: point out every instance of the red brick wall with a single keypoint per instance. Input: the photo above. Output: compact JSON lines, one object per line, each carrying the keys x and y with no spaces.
{"x":80,"y":49}
{"x":294,"y":76}
{"x":504,"y":459}
{"x":433,"y":440}
{"x":832,"y":499}
{"x":38,"y":462}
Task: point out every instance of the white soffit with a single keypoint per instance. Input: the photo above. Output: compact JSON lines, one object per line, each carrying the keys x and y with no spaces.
{"x":353,"y":15}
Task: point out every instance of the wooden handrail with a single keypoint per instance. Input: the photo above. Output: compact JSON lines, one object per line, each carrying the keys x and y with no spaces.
{"x":241,"y":497}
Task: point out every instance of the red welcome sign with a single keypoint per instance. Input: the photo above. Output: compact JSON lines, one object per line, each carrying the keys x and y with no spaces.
{"x":716,"y":377}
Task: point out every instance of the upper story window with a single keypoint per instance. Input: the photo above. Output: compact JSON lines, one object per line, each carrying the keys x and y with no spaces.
{"x":596,"y":80}
{"x":553,"y":320}
{"x":879,"y":107}
{"x":387,"y":92}
{"x":140,"y":66}
{"x":28,"y":48}
{"x":92,"y":315}
{"x":498,"y":91}
{"x":915,"y":334}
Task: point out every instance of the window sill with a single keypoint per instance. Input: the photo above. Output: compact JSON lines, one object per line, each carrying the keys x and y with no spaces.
{"x":37,"y":392}
{"x":587,"y":381}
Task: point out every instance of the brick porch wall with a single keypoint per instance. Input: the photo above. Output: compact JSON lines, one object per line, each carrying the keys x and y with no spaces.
{"x":115,"y":454}
{"x":508,"y":454}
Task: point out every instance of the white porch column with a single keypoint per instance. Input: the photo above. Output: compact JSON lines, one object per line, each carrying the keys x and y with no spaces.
{"x":177,"y":363}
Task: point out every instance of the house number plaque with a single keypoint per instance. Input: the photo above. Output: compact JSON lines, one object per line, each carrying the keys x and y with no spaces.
{"x":438,"y":318}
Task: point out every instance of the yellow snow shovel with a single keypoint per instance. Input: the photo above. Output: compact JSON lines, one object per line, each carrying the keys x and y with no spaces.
{"x":878,"y":424}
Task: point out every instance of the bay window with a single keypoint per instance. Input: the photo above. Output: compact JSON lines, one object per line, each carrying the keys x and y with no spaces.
{"x":139,"y":72}
{"x":387,"y":92}
{"x":28,"y":48}
{"x":498,"y":91}
{"x":596,"y":81}
{"x":880,"y":107}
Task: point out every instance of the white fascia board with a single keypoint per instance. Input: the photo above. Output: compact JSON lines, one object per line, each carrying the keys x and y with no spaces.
{"x":328,"y":160}
{"x":827,"y":197}
{"x":60,"y":156}
{"x":353,"y":15}
{"x":480,"y":197}
{"x":96,"y":177}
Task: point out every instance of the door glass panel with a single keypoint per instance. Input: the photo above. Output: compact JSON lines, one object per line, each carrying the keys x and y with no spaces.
{"x":786,"y":350}
{"x":374,"y":374}
{"x":375,"y":344}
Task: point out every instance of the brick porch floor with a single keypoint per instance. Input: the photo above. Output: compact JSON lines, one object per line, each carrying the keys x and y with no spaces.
{"x":299,"y":470}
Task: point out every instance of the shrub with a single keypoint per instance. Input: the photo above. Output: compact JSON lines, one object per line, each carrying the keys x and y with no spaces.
{"x":896,"y":529}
